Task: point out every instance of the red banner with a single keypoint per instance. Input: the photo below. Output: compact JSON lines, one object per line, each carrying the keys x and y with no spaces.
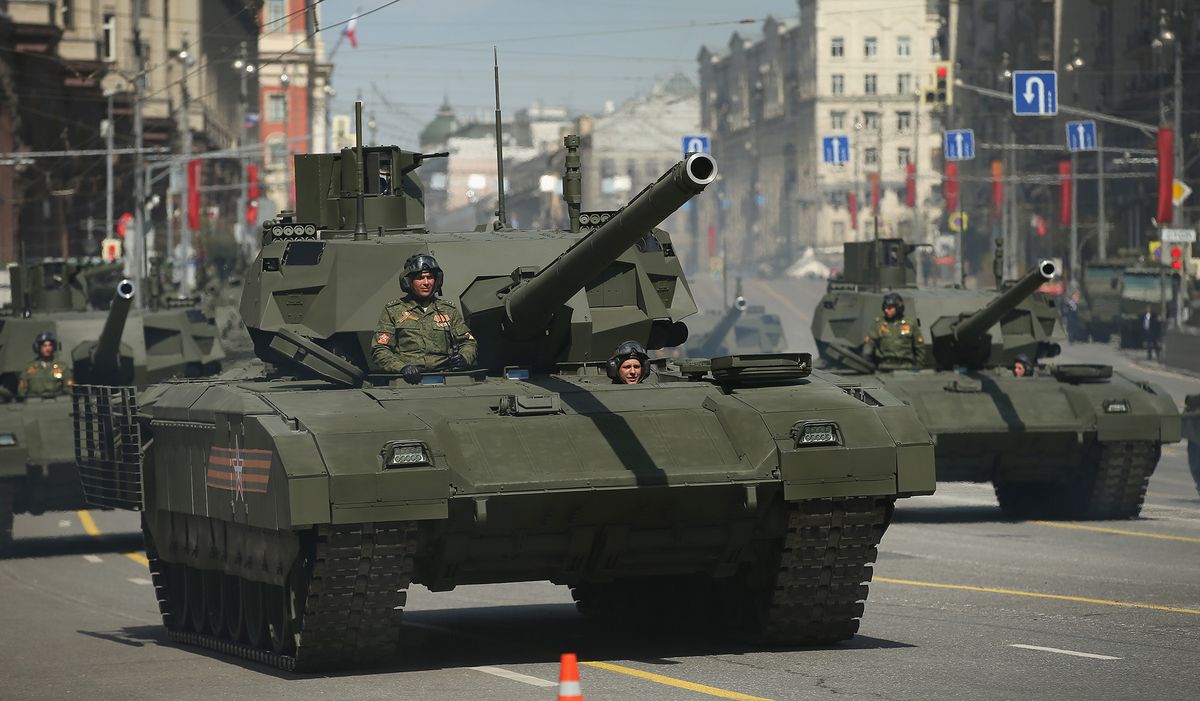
{"x":1064,"y":192}
{"x":712,"y":240}
{"x":193,"y":193}
{"x":874,"y":178}
{"x":950,"y":186}
{"x":251,"y":181}
{"x":852,"y":204}
{"x":1166,"y":174}
{"x":997,"y":189}
{"x":910,"y":185}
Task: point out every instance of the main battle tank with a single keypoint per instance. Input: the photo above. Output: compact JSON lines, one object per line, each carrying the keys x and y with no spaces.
{"x":285,"y":516}
{"x":1073,"y":441}
{"x":37,"y":464}
{"x":1191,"y":434}
{"x":740,"y":329}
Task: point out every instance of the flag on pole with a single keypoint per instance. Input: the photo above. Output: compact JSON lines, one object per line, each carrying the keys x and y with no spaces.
{"x":349,"y":31}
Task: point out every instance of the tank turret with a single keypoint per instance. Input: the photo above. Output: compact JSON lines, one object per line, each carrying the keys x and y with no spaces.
{"x":105,"y":361}
{"x":716,"y":336}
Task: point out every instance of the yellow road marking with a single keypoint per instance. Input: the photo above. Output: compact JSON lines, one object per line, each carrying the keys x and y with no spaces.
{"x":1117,"y":531}
{"x":1039,"y":595}
{"x":784,"y":301}
{"x":677,"y":683}
{"x":89,"y":527}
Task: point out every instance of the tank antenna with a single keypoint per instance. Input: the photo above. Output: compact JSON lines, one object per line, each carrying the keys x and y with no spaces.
{"x":360,"y":223}
{"x":501,"y":217}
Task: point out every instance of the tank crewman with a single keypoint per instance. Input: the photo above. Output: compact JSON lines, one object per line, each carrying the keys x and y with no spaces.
{"x":894,"y":343}
{"x":45,"y":376}
{"x":420,"y":332}
{"x":1022,"y":367}
{"x":629,"y":364}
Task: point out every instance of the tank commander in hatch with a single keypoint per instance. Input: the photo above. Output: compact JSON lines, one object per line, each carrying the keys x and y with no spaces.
{"x":894,"y":343}
{"x":45,"y":376}
{"x":629,"y":364}
{"x":420,"y":332}
{"x":1022,"y":367}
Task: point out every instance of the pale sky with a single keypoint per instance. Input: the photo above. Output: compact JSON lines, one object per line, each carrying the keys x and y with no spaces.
{"x":574,"y":54}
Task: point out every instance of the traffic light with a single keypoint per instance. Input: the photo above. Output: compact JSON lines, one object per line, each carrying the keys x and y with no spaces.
{"x":941,"y":82}
{"x":1176,"y":257}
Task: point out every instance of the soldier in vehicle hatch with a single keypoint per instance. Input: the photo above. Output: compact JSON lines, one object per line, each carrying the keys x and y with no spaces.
{"x":629,"y":364}
{"x":894,"y":343}
{"x":420,"y":332}
{"x":45,"y":376}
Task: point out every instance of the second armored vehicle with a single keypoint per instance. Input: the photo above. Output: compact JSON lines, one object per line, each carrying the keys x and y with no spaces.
{"x":1115,"y":293}
{"x":1071,"y":441}
{"x":739,"y":329}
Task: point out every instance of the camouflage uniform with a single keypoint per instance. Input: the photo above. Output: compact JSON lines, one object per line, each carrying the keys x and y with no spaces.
{"x":409,"y":333}
{"x":895,"y":345}
{"x":44,"y":378}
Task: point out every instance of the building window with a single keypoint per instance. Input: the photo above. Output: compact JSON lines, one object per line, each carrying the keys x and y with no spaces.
{"x":68,"y":14}
{"x":837,"y":47}
{"x":871,"y":156}
{"x":837,"y":120}
{"x":108,"y":38}
{"x":935,"y":48}
{"x":276,"y":105}
{"x":904,"y":84}
{"x":904,"y":46}
{"x":871,"y":121}
{"x":870,"y":47}
{"x":839,"y":230}
{"x":277,"y":150}
{"x":838,"y":84}
{"x":276,"y":10}
{"x":903,"y":157}
{"x":870,"y":84}
{"x":903,"y":121}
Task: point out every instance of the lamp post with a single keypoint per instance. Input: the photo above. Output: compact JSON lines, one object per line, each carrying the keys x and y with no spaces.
{"x":1073,"y":66}
{"x":284,"y":82}
{"x":244,"y":68}
{"x":186,"y":60}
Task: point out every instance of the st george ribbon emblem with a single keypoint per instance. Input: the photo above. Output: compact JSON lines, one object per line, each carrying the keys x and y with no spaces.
{"x":239,"y":470}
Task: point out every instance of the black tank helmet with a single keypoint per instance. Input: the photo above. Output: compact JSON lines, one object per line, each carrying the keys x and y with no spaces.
{"x":1023,"y":359}
{"x":42,"y":338}
{"x":893,"y":299}
{"x":625,"y":351}
{"x":419,"y":264}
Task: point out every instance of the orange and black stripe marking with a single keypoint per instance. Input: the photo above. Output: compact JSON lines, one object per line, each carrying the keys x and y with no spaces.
{"x":239,"y":470}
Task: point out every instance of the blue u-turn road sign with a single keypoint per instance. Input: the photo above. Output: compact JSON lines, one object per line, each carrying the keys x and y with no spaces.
{"x":1035,"y":93}
{"x":695,"y":143}
{"x":960,"y":145}
{"x":1081,"y":136}
{"x":835,"y":150}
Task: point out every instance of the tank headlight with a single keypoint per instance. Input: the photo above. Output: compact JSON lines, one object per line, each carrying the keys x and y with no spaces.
{"x":1116,"y":406}
{"x":7,"y":440}
{"x":405,"y":454}
{"x":807,"y":433}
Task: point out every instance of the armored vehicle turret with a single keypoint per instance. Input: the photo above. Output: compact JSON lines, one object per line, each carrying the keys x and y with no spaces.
{"x":746,"y":484}
{"x":1071,"y":441}
{"x":741,"y":328}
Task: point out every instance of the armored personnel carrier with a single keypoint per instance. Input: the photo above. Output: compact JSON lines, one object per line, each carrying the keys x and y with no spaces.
{"x":1191,"y":434}
{"x":1072,"y":441}
{"x":1115,"y":293}
{"x":285,"y":516}
{"x":120,"y":346}
{"x":740,"y":329}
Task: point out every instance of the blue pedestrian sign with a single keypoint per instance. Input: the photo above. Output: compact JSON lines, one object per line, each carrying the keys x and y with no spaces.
{"x":1081,"y":136}
{"x":835,"y":150}
{"x":960,"y":145}
{"x":1035,"y":93}
{"x":695,"y":143}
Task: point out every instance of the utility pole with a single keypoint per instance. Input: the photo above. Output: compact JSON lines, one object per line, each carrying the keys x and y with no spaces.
{"x":1178,"y":174}
{"x":243,"y":197}
{"x":135,"y":258}
{"x":1101,"y":218}
{"x":1073,"y":246}
{"x":108,"y":170}
{"x":185,"y":133}
{"x":918,"y":230}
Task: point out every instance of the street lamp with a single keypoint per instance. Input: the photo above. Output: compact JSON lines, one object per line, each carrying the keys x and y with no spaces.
{"x":186,"y":58}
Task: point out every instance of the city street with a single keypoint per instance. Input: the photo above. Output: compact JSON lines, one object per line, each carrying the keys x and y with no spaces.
{"x":963,"y":605}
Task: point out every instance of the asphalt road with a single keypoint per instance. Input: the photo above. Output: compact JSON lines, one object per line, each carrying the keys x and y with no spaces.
{"x":964,"y":605}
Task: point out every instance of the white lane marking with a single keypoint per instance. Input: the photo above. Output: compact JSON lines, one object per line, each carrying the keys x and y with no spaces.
{"x":141,"y":581}
{"x":64,"y":523}
{"x":1073,"y":653}
{"x":94,"y":559}
{"x":515,"y":676}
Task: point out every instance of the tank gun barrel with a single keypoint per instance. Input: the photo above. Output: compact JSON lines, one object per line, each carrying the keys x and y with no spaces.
{"x":106,"y":353}
{"x":970,"y":328}
{"x":722,"y":328}
{"x":531,"y":304}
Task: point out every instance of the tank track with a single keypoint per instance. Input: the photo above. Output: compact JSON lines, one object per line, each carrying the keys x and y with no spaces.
{"x":1121,"y":476}
{"x":353,"y":591}
{"x":7,"y":502}
{"x":1193,"y":451}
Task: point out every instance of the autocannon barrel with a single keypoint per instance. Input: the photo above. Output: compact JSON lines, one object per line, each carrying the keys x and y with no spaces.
{"x":722,"y":328}
{"x":975,"y":325}
{"x":531,"y":305}
{"x":106,"y":352}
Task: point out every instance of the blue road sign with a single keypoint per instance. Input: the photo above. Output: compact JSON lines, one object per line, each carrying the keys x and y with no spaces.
{"x":695,"y":143}
{"x":835,"y":150}
{"x":960,"y":145}
{"x":1035,"y":93}
{"x":1081,"y":136}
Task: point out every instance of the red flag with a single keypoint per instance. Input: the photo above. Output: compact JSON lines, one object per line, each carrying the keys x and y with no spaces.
{"x":1166,"y":175}
{"x":950,"y":186}
{"x":997,"y":189}
{"x":251,"y":181}
{"x":852,"y":203}
{"x":349,"y":31}
{"x":1064,"y":193}
{"x":910,"y":185}
{"x":123,"y":224}
{"x":193,"y":193}
{"x":874,"y":177}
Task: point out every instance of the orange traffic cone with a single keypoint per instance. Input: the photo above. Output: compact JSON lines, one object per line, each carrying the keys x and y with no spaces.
{"x":568,"y":679}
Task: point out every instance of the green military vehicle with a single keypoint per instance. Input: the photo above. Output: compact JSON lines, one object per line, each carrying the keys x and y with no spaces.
{"x":1115,"y":293}
{"x":1072,"y":441}
{"x":285,"y":516}
{"x":37,"y":464}
{"x":1191,"y":434}
{"x":742,"y":328}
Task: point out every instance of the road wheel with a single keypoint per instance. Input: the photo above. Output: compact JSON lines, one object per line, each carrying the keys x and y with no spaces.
{"x":253,"y":616}
{"x":175,"y":595}
{"x":231,"y":608}
{"x":196,"y":599}
{"x":213,"y":614}
{"x":7,"y":498}
{"x":279,"y":619}
{"x":1194,"y":461}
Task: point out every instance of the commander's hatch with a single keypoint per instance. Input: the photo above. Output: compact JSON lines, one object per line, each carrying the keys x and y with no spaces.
{"x":303,"y":356}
